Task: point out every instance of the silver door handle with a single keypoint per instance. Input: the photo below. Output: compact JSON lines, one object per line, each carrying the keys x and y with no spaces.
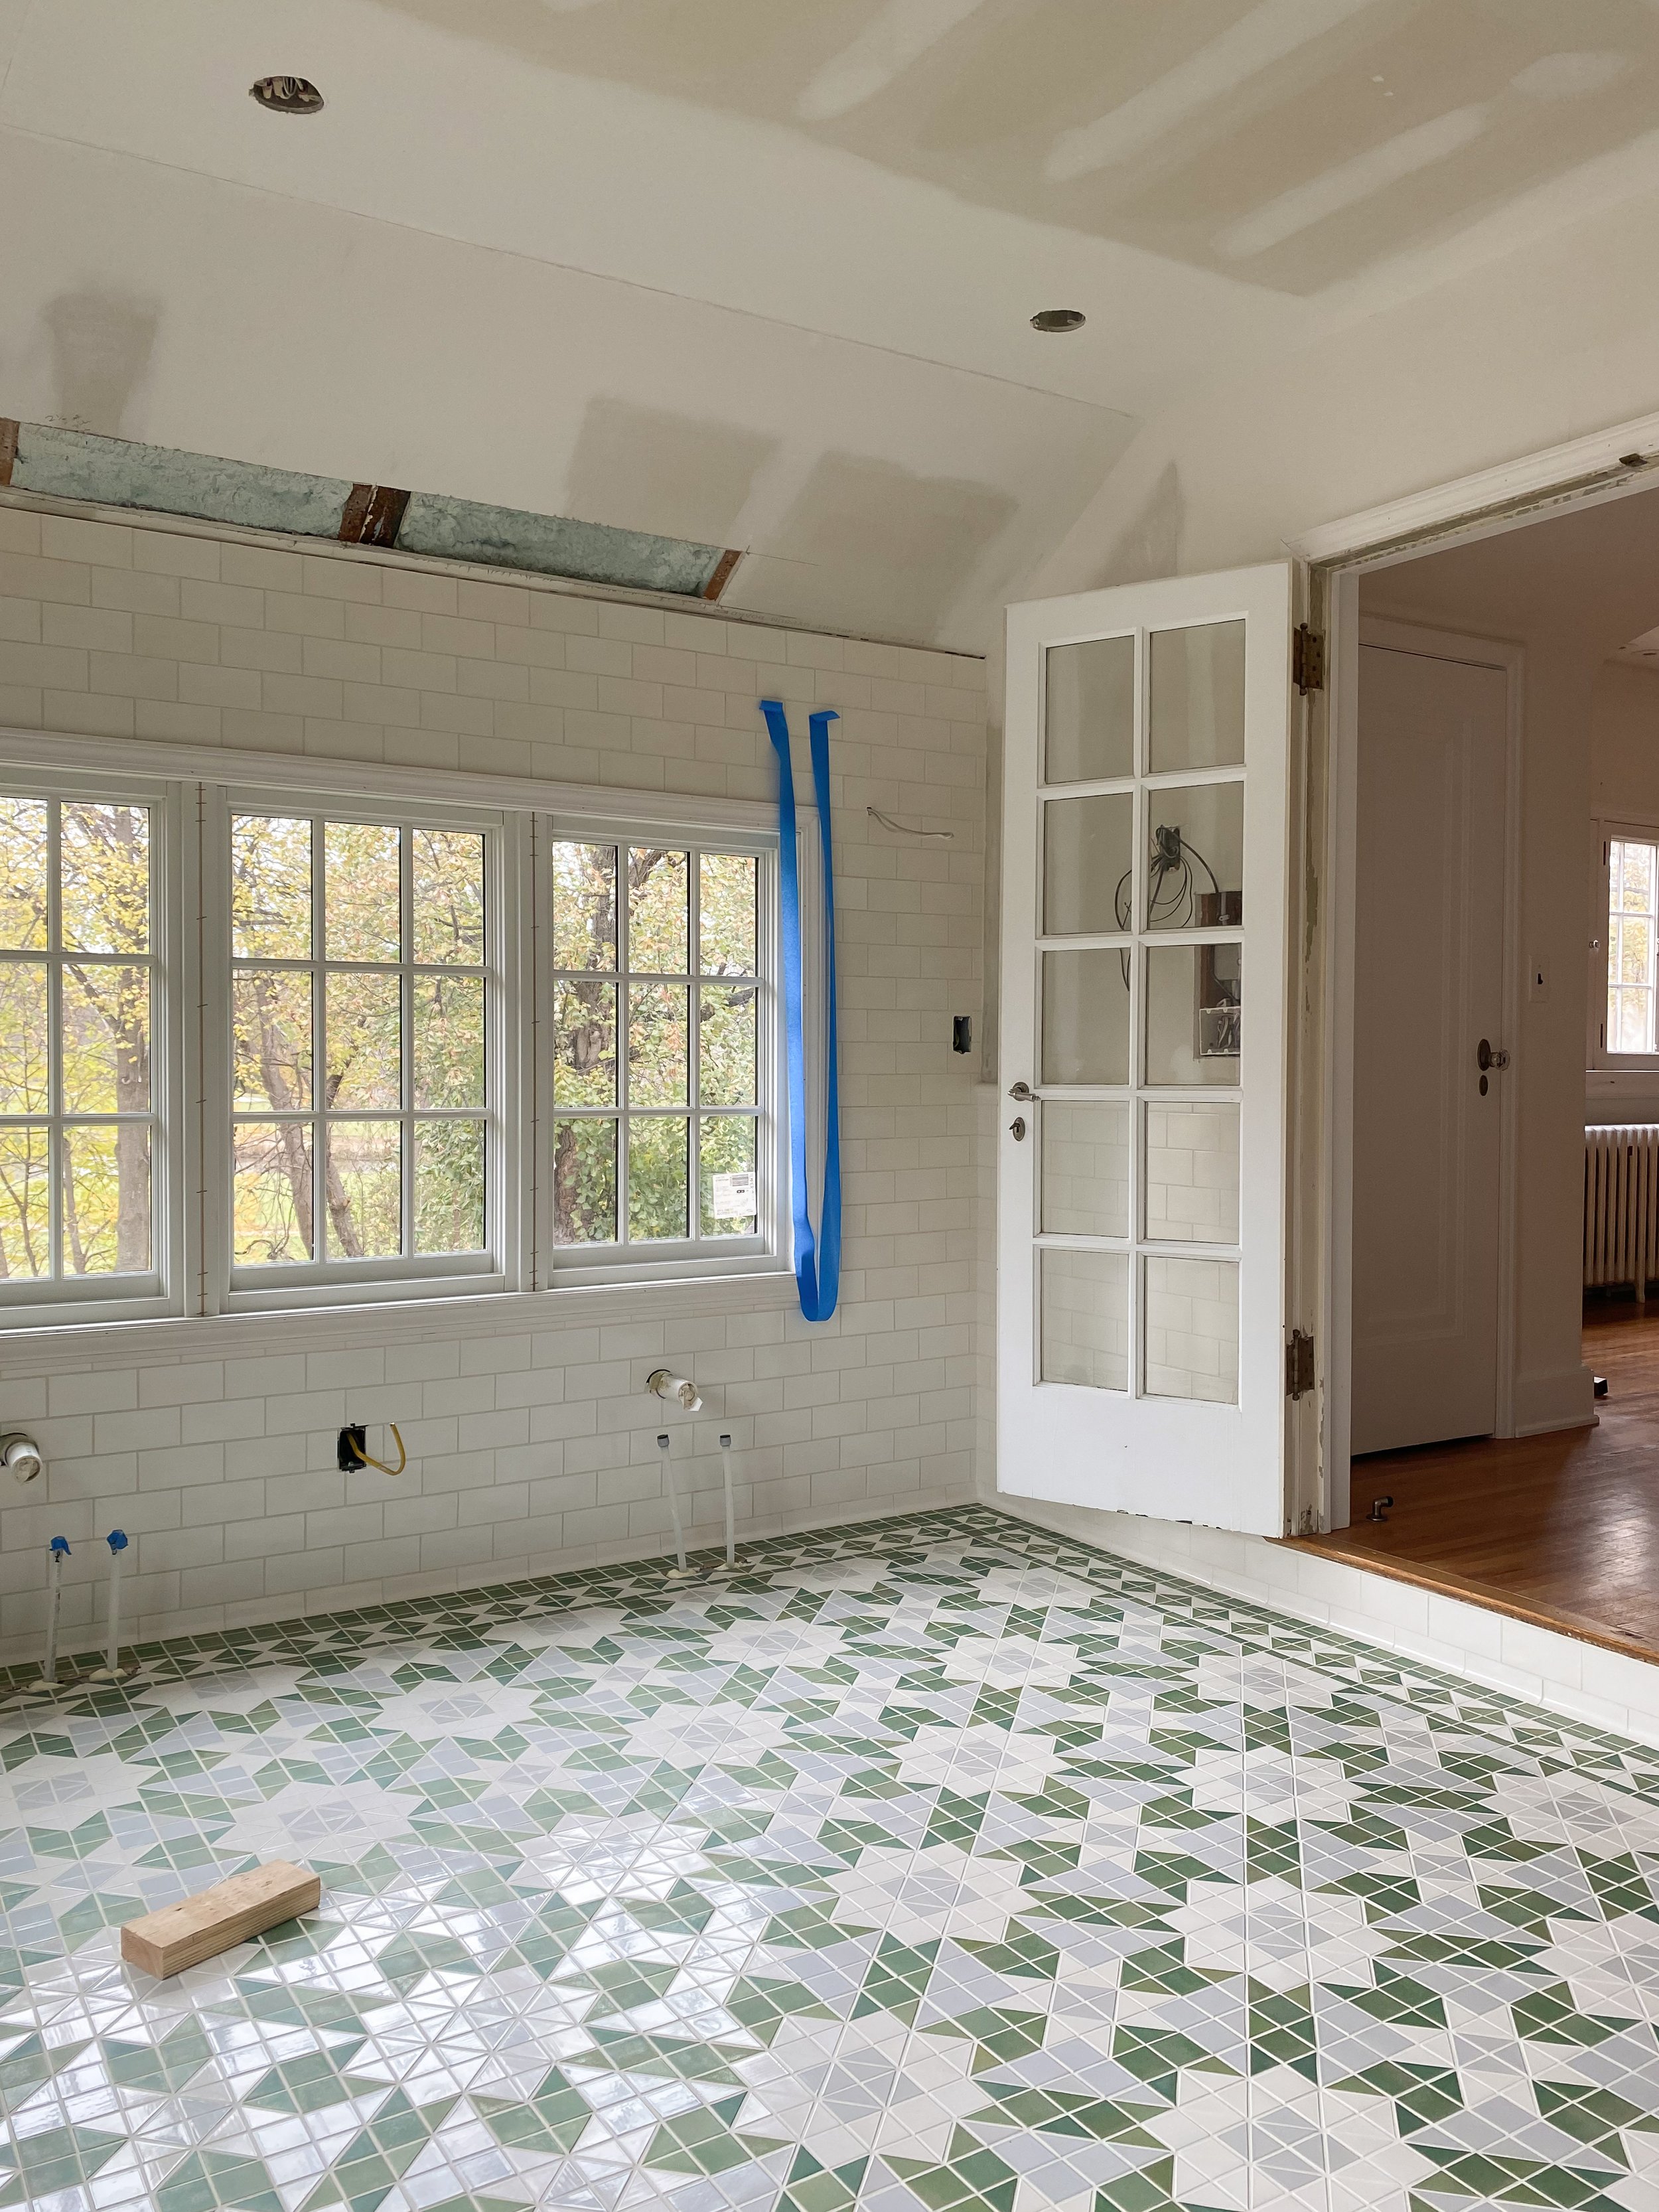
{"x":1017,"y":1128}
{"x":1020,"y":1090}
{"x":1485,"y":1057}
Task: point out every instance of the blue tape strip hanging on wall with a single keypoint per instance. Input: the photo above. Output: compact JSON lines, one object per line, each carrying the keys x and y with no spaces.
{"x":818,"y":1259}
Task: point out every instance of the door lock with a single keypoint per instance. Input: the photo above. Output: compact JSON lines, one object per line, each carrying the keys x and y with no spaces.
{"x":1017,"y":1128}
{"x":1020,"y":1090}
{"x":1484,"y":1057}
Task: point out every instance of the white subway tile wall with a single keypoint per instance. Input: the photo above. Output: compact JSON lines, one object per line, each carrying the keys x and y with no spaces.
{"x":532,"y":1446}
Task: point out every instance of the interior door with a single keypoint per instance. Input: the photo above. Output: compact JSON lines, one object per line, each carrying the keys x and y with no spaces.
{"x":1428,"y":988}
{"x":1141,"y":1185}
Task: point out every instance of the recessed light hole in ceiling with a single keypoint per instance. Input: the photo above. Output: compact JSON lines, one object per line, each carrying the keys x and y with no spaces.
{"x":287,"y":96}
{"x":1058,"y":318}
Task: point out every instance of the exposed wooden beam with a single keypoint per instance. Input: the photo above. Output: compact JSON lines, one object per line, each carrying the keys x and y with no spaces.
{"x":722,"y":576}
{"x":8,"y":448}
{"x":372,"y":515}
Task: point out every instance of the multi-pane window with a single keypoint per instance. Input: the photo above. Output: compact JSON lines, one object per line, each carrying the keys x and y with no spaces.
{"x":1632,"y":915}
{"x":78,"y":1016}
{"x":361,"y":1096}
{"x":659,"y":1013}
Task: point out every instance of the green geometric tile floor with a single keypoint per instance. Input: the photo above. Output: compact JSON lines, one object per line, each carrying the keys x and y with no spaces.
{"x":934,"y":1866}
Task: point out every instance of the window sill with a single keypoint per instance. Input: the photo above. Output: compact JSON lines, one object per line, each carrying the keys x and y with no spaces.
{"x":95,"y":1344}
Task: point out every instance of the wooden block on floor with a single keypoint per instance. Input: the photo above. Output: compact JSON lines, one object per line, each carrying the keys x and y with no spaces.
{"x":184,"y":1934}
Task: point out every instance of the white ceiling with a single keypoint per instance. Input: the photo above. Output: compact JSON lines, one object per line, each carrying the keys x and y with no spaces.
{"x":762,"y":271}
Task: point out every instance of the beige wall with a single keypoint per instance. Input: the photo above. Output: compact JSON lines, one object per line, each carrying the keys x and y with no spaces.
{"x":530,"y":1436}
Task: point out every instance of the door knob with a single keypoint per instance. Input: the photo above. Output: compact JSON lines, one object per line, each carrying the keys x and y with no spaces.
{"x":1020,"y":1090}
{"x":1017,"y":1128}
{"x":1484,"y":1057}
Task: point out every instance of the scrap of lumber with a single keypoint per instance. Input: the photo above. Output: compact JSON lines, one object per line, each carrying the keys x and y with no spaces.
{"x":184,"y":1934}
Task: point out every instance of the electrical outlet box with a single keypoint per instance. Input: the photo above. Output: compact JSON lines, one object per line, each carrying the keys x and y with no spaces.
{"x":353,"y":1433}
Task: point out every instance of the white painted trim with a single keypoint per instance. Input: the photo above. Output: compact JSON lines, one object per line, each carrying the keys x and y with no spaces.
{"x":601,"y":805}
{"x":1355,"y":630}
{"x":97,"y":1345}
{"x":1575,"y":472}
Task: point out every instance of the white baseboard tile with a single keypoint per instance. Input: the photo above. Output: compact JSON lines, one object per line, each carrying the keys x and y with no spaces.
{"x":1605,"y":1688}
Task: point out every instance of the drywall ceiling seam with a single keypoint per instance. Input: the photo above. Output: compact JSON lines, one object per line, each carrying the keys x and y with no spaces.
{"x":578,"y":268}
{"x":530,"y":580}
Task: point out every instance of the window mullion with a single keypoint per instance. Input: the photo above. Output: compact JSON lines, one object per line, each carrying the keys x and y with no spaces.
{"x":693,"y":1047}
{"x":406,"y":1038}
{"x":318,"y":1041}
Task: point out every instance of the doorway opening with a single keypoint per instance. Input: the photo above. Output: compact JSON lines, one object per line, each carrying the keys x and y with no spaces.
{"x":1502,"y":961}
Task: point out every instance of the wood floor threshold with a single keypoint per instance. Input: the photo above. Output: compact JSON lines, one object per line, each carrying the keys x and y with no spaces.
{"x":1446,"y":1583}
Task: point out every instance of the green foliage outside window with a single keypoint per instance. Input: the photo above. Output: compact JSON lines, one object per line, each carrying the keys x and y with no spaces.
{"x":656,"y":1012}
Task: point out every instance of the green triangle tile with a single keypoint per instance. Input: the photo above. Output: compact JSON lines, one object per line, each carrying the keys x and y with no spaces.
{"x":1395,"y":1998}
{"x":815,"y":2188}
{"x":1595,"y":2116}
{"x":206,"y":2181}
{"x":763,"y":2005}
{"x":1021,"y":1951}
{"x":970,"y":2179}
{"x":1282,"y":2031}
{"x":703,"y":2141}
{"x":1159,"y":2056}
{"x":1053,"y":2112}
{"x":896,"y":1979}
{"x":552,"y":2118}
{"x":311,"y":2082}
{"x":372,"y":2163}
{"x":626,"y":1983}
{"x":1002,"y":2033}
{"x":53,"y":2162}
{"x":956,"y":1820}
{"x":166,"y":2065}
{"x":1422,"y":2095}
{"x":1549,"y":2015}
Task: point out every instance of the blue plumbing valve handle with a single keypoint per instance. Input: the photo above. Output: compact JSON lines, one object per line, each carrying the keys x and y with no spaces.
{"x":118,"y":1540}
{"x":60,"y":1545}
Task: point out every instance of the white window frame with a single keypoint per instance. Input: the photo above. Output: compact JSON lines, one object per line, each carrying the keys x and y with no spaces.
{"x":354,"y":1282}
{"x":579,"y":1265}
{"x":71,"y":1300}
{"x":1609,"y":1072}
{"x":192,"y":797}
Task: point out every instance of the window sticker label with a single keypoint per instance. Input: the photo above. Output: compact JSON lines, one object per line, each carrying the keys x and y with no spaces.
{"x":733,"y":1196}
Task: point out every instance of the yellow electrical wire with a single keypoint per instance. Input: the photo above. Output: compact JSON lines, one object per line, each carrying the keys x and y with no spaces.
{"x":402,"y":1457}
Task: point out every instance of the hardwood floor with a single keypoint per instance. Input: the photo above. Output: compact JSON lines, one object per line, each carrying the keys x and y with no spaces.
{"x":1563,"y":1529}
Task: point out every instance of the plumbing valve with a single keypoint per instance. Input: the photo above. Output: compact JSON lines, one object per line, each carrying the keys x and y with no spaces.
{"x":676,"y":1388}
{"x":22,"y":1454}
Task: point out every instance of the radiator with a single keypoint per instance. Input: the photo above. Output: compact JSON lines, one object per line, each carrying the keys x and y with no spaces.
{"x":1621,"y":1207}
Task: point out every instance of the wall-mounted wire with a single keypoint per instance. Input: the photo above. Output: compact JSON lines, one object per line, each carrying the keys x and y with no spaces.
{"x":367,"y":1459}
{"x":907,"y":829}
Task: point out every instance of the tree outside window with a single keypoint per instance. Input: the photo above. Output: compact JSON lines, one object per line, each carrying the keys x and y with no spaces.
{"x":657,"y":1003}
{"x":360,"y":1071}
{"x":78,"y":1022}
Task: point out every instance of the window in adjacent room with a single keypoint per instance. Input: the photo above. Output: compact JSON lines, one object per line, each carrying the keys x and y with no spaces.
{"x":1632,"y":919}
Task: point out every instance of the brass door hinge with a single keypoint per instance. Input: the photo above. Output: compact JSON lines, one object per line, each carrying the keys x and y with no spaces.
{"x":1307,"y":658}
{"x":1298,"y":1364}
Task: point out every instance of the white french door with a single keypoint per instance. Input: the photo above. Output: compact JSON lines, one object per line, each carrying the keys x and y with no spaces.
{"x":1141,"y":1186}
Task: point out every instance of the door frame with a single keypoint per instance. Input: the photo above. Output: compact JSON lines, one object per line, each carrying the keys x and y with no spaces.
{"x":1460,"y":647}
{"x":1617,"y":463}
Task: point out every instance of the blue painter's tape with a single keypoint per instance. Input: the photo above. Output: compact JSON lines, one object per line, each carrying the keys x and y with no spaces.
{"x":818,"y":1259}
